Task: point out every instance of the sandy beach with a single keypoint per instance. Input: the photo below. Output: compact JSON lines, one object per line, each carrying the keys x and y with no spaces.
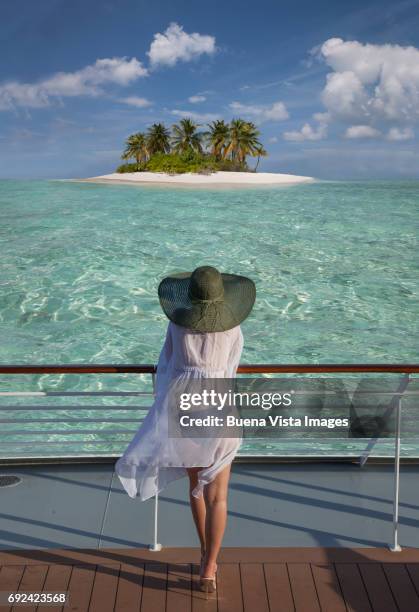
{"x":237,"y":179}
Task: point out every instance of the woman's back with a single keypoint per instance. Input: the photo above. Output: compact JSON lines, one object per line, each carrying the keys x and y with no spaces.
{"x":216,"y":352}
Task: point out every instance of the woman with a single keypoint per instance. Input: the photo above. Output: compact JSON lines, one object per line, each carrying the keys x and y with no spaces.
{"x":203,"y":340}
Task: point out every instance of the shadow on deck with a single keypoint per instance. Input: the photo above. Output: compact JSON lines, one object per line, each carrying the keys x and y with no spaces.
{"x":260,"y":579}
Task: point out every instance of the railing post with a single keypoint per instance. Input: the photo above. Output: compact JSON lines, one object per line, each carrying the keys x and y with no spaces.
{"x":396,"y":547}
{"x":155,"y":547}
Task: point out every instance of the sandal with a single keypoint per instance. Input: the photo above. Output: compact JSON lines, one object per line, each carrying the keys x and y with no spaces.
{"x":208,"y":585}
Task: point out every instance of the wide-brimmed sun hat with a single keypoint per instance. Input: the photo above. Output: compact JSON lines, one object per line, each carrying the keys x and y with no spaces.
{"x":207,"y":300}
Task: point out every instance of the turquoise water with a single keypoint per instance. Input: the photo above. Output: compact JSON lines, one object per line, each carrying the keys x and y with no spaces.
{"x":335,"y":265}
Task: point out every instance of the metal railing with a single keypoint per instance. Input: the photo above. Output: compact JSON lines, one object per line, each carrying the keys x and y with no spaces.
{"x":405,"y":369}
{"x":16,"y":412}
{"x":267,"y":368}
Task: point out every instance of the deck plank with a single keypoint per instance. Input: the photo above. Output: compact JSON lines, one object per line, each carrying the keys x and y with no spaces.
{"x":57,"y":579}
{"x":353,"y":588}
{"x":80,"y":587}
{"x":303,"y":587}
{"x":378,"y":589}
{"x":413,"y":569}
{"x":10,"y":577}
{"x":253,"y":582}
{"x":170,"y":582}
{"x":278,"y":587}
{"x":105,"y":587}
{"x":179,"y":587}
{"x":229,"y":588}
{"x":402,"y":587}
{"x":32,"y":582}
{"x":328,"y":588}
{"x":130,"y":588}
{"x":154,"y":587}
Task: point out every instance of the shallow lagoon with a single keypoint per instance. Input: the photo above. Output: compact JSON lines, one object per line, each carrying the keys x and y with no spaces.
{"x":335,"y":265}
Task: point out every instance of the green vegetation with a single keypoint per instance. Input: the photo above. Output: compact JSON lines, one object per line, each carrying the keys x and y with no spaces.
{"x":223,"y":147}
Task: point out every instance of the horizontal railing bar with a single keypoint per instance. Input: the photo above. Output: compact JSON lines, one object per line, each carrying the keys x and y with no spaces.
{"x":23,"y":421}
{"x":327,"y":368}
{"x":64,"y":432}
{"x":24,"y":459}
{"x":77,"y":453}
{"x":97,"y":393}
{"x":74,"y":393}
{"x":338,"y":393}
{"x":357,"y":441}
{"x":407,"y":418}
{"x":12,"y":407}
{"x":256,"y":392}
{"x":54,"y":442}
{"x":243,"y":369}
{"x":78,"y":369}
{"x":284,"y":441}
{"x":104,"y":407}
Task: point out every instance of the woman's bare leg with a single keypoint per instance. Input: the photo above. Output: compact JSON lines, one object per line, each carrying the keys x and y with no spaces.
{"x":215,"y":495}
{"x":197,"y":507}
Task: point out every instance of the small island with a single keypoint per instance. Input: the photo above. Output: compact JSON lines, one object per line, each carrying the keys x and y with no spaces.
{"x":187,"y":155}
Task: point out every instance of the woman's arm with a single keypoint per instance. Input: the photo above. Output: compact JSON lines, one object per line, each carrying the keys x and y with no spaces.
{"x":165,"y":356}
{"x":235,"y":354}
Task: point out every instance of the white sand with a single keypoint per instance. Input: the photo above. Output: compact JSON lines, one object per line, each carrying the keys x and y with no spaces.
{"x":216,"y":178}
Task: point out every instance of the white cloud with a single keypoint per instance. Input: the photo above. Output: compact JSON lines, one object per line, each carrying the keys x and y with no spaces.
{"x":177,"y":45}
{"x":135,"y":101}
{"x":84,"y":82}
{"x":275,"y":112}
{"x":344,"y":96}
{"x":187,"y":114}
{"x":396,"y":133}
{"x":362,"y":131}
{"x":322,"y":118}
{"x":307,"y":132}
{"x":196,"y":99}
{"x":273,"y":139}
{"x":371,"y":82}
{"x":368,"y":88}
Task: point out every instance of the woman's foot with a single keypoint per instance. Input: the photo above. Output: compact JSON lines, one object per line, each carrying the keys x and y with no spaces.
{"x":207,"y":580}
{"x":208,"y":585}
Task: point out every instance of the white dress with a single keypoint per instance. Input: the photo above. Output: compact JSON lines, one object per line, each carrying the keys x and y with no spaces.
{"x":153,"y":459}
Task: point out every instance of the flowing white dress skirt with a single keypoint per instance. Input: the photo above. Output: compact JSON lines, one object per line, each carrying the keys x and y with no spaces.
{"x":153,"y":459}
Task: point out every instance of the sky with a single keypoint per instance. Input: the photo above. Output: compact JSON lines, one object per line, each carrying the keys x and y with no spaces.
{"x":332,"y":86}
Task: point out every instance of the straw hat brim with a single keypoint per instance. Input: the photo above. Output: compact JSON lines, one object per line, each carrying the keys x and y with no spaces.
{"x":239,"y":297}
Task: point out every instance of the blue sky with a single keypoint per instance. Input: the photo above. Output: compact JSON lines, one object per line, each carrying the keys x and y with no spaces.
{"x":333,"y":86}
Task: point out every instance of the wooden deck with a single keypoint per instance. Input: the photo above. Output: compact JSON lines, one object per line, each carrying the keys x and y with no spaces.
{"x":249,"y":580}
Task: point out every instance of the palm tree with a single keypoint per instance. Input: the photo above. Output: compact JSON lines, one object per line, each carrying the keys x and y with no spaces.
{"x":218,"y":137}
{"x":186,"y":138}
{"x":259,"y":152}
{"x":158,"y":139}
{"x":237,"y":130}
{"x":136,"y":146}
{"x":243,"y":141}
